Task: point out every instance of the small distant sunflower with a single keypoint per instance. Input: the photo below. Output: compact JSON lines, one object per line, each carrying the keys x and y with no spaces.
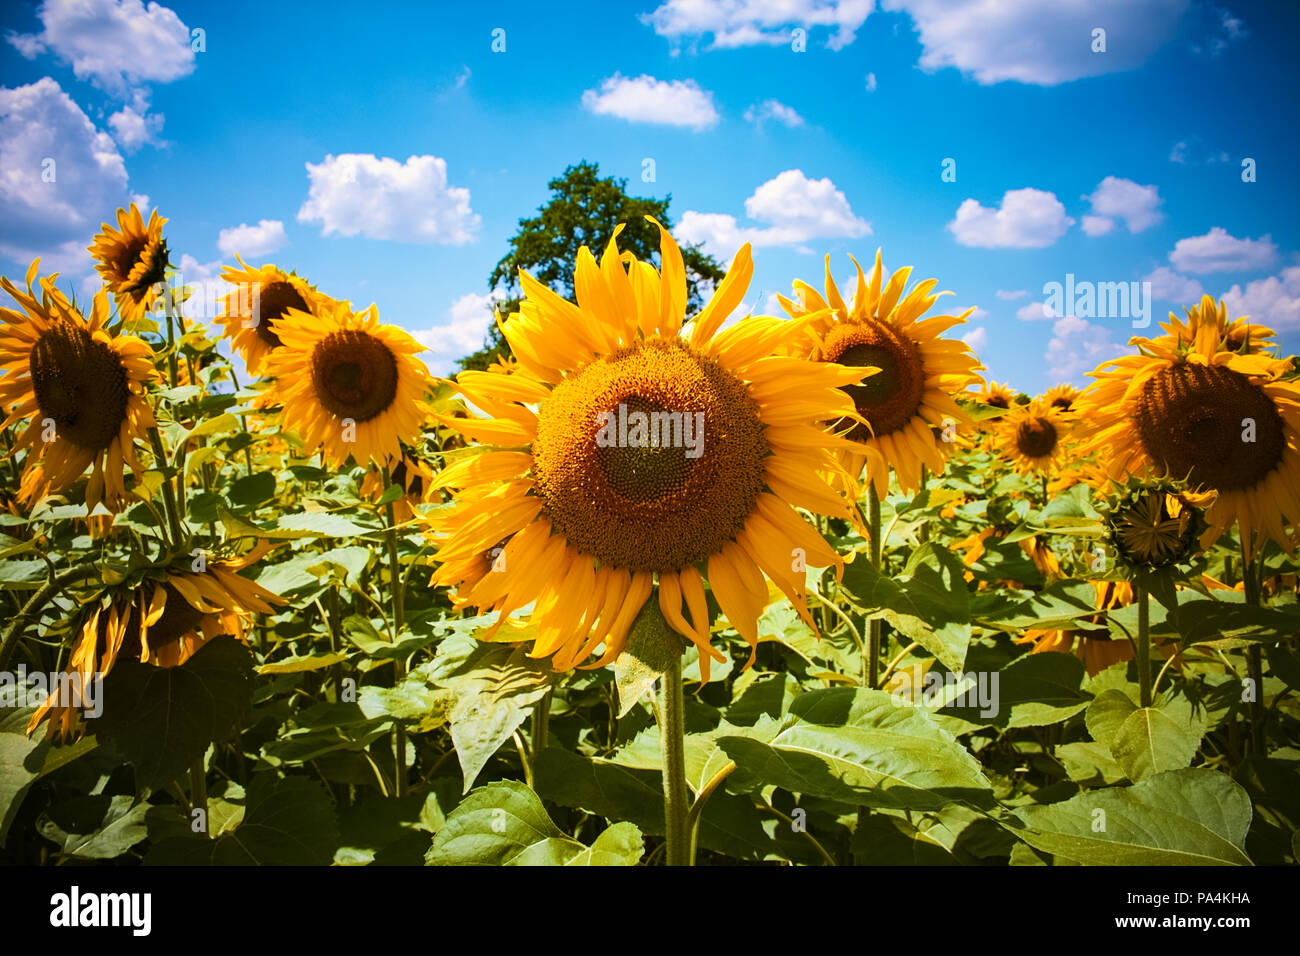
{"x":348,"y":384}
{"x":1032,"y":437}
{"x":1061,"y":397}
{"x":261,"y":297}
{"x":1239,"y":335}
{"x":997,"y":395}
{"x":162,"y":621}
{"x":81,"y":390}
{"x":131,"y":259}
{"x":1195,"y":410}
{"x":919,"y":371}
{"x":577,"y":510}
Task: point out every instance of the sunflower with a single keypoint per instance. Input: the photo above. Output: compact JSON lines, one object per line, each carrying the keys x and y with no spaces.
{"x":160,"y":621}
{"x":1032,"y":437}
{"x":1196,"y":409}
{"x":132,"y":260}
{"x":261,"y":297}
{"x":1061,"y":397}
{"x":1153,"y":526}
{"x":996,"y":395}
{"x":911,"y":396}
{"x":1239,"y":335}
{"x":626,"y":454}
{"x":80,"y":389}
{"x":348,"y":384}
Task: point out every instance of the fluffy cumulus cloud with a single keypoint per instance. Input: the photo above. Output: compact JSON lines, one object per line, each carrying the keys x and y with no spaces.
{"x":1117,"y":199}
{"x":1274,"y":301}
{"x":1217,"y":251}
{"x":796,"y":208}
{"x":253,"y":241}
{"x":1025,"y":219}
{"x":62,"y":176}
{"x":133,"y":125}
{"x":363,"y":194}
{"x":1170,"y":286}
{"x":736,"y":23}
{"x":1076,"y":346}
{"x":1029,"y":41}
{"x":977,"y":338}
{"x":467,"y":324}
{"x":644,"y":99}
{"x":113,"y":43}
{"x":773,"y":110}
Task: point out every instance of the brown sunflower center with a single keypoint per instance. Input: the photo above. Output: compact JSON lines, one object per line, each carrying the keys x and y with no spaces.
{"x":1195,"y":421}
{"x":274,"y":300}
{"x":354,"y":374}
{"x":651,"y":458}
{"x":1063,"y":402}
{"x":1036,"y":437}
{"x":138,"y":249}
{"x":889,"y":399}
{"x":80,"y":384}
{"x":179,"y":618}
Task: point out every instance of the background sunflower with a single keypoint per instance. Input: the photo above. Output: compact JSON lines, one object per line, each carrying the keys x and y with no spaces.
{"x":131,"y":259}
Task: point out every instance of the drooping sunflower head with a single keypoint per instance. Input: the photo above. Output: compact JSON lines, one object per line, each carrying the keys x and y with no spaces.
{"x":80,"y":390}
{"x":262,"y":296}
{"x":347,"y":384}
{"x":1207,"y":328}
{"x":162,"y":620}
{"x":1153,"y":526}
{"x":1032,"y":437}
{"x":1061,"y":397}
{"x":627,"y":455}
{"x":1221,"y":420}
{"x":900,"y":406}
{"x":132,"y":260}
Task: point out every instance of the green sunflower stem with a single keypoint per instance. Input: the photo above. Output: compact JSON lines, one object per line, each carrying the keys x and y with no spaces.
{"x":169,"y":493}
{"x":541,"y":724}
{"x":1254,"y":656}
{"x":1143,"y":652}
{"x":877,"y":549}
{"x":199,"y":789}
{"x":672,"y":738}
{"x":36,"y":603}
{"x":399,"y":621}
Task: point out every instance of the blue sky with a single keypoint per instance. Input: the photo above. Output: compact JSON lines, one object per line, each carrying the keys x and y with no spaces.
{"x":388,"y":157}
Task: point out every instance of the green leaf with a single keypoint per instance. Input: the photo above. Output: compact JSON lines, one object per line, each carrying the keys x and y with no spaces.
{"x":864,"y":748}
{"x":1193,"y":817}
{"x":1206,"y":620}
{"x":95,"y":827}
{"x":651,"y":647}
{"x":251,"y":490}
{"x":299,"y":664}
{"x":1146,"y":740}
{"x":1058,"y":605}
{"x":163,"y":718}
{"x":1089,"y":763}
{"x":1033,"y":691}
{"x":287,"y":822}
{"x":505,"y":824}
{"x":882,"y":840}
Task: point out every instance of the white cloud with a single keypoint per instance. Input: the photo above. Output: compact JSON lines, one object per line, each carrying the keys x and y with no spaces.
{"x":976,"y":338}
{"x":253,"y":241}
{"x":112,"y":43}
{"x":1170,"y":286}
{"x":362,"y":194}
{"x":468,"y":321}
{"x":1217,"y":251}
{"x":773,"y":110}
{"x":1179,"y":153}
{"x":1026,"y":219}
{"x":1029,"y":41}
{"x":736,"y":23}
{"x":1274,"y":301}
{"x":798,"y":209}
{"x":1116,"y":198}
{"x":1076,"y":346}
{"x":1010,"y":295}
{"x":1035,"y":312}
{"x":871,"y":82}
{"x":133,"y":125}
{"x":772,"y":305}
{"x":647,"y":100}
{"x":40,"y":125}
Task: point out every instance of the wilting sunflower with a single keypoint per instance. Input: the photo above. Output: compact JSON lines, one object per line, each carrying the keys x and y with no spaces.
{"x":1032,"y":437}
{"x":162,"y":622}
{"x":1195,"y":409}
{"x":996,"y":395}
{"x":912,"y":395}
{"x":1061,"y":397}
{"x":131,"y":259}
{"x":348,"y":384}
{"x":261,"y":297}
{"x":80,"y":389}
{"x":1239,"y":335}
{"x":628,"y":453}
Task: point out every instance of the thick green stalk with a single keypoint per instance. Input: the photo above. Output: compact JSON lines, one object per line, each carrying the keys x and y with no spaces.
{"x":399,"y":619}
{"x":169,"y":494}
{"x":1254,"y":656}
{"x":1143,"y":651}
{"x":34,"y":605}
{"x":672,"y":738}
{"x":199,"y":789}
{"x":873,"y":635}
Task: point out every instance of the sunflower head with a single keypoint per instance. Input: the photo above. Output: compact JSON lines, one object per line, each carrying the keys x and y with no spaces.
{"x":80,"y":389}
{"x":997,"y":395}
{"x":1032,"y":437}
{"x":132,"y":260}
{"x":1154,"y":526}
{"x":347,"y":384}
{"x":1061,"y":397}
{"x":901,"y":405}
{"x":262,"y":297}
{"x":1207,"y":328}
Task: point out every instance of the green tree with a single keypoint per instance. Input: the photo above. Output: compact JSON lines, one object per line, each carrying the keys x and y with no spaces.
{"x":583,"y":211}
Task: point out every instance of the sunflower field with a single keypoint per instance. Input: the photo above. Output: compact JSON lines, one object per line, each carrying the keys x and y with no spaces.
{"x":652,"y":589}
